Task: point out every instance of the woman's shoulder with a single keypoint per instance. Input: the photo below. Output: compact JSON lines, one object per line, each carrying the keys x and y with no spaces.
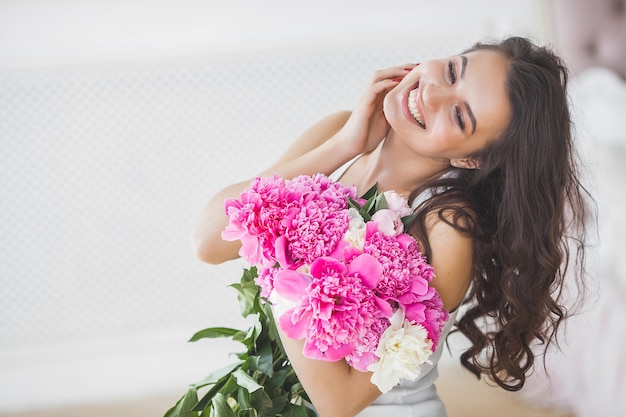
{"x":451,"y":255}
{"x":447,"y":218}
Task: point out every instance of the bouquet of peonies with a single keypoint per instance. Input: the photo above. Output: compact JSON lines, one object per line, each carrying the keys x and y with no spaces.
{"x":341,"y":273}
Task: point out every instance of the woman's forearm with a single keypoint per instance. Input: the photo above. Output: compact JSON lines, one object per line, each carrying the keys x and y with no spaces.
{"x":335,"y":388}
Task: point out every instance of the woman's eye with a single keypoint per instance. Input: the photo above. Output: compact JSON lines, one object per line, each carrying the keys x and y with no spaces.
{"x":451,"y":72}
{"x":459,"y":118}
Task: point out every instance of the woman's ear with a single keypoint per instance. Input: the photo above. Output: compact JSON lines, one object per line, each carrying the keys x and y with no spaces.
{"x":466,"y":163}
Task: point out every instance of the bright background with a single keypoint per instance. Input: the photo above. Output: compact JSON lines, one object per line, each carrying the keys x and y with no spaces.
{"x":120,"y":118}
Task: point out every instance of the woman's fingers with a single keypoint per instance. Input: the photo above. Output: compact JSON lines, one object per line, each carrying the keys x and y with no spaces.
{"x":367,"y":125}
{"x":392,"y":73}
{"x":386,"y":79}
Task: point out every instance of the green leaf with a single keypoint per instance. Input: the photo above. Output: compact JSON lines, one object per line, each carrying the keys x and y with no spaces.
{"x":241,"y":336}
{"x":371,"y":192}
{"x":259,"y":398}
{"x":278,"y":405}
{"x":406,"y":222}
{"x":215,"y":376}
{"x":221,"y":407}
{"x":367,"y":209}
{"x":261,"y":401}
{"x":266,"y":358}
{"x":294,"y":410}
{"x":253,"y":333}
{"x":297,"y":390}
{"x":248,"y":293}
{"x":243,"y":397}
{"x":246,"y":381}
{"x":247,"y":412}
{"x":276,"y":381}
{"x":230,"y":387}
{"x":214,"y":332}
{"x":205,"y":402}
{"x":184,"y":406}
{"x":354,"y":204}
{"x":381,"y":202}
{"x":270,"y":324}
{"x":249,"y":274}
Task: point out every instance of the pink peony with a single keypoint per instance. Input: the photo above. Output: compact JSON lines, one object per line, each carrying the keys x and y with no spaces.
{"x":364,"y":354}
{"x":320,"y":222}
{"x":256,"y":219}
{"x":337,"y":305}
{"x":265,"y":280}
{"x":406,"y":278}
{"x":397,"y":203}
{"x":388,"y":222}
{"x":291,"y":222}
{"x":406,"y":274}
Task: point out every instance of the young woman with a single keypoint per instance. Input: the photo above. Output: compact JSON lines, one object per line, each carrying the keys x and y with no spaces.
{"x":480,"y":144}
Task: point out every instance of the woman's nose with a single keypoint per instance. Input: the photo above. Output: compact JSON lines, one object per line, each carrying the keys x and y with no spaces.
{"x":435,"y":95}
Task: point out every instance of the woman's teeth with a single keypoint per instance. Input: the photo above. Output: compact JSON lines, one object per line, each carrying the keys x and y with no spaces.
{"x":413,"y":109}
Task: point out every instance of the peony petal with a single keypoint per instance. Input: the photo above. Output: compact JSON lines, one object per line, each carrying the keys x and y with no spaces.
{"x":345,"y":252}
{"x":416,"y":312}
{"x":309,"y":350}
{"x":389,"y":222}
{"x":291,"y":284}
{"x":368,"y":269}
{"x":280,"y":246}
{"x":232,"y":202}
{"x":384,"y":307}
{"x":396,"y":320}
{"x":250,"y":249}
{"x":321,"y":265}
{"x":370,"y":229}
{"x":405,"y":240}
{"x":292,"y":330}
{"x":233,"y":233}
{"x":362,"y":361}
{"x":340,"y":250}
{"x":333,"y":354}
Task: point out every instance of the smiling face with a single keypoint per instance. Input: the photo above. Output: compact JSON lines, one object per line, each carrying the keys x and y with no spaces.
{"x":451,"y":108}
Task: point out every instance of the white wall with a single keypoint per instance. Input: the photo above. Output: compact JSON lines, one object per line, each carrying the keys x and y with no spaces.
{"x":118,"y":119}
{"x":37,"y":33}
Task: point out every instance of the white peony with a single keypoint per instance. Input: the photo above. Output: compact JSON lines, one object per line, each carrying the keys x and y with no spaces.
{"x":355,"y":235}
{"x":402,"y":348}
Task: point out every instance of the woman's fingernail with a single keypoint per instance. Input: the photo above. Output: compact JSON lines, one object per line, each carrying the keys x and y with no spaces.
{"x":397,"y":79}
{"x":408,"y":69}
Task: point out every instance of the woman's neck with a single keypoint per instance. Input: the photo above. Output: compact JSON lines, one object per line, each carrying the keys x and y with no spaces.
{"x":395,"y":167}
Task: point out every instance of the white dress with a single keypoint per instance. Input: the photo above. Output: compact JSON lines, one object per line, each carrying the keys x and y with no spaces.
{"x":410,"y":398}
{"x":414,"y":398}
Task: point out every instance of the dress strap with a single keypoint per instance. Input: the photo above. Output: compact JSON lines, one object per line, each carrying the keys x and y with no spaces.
{"x":338,"y":173}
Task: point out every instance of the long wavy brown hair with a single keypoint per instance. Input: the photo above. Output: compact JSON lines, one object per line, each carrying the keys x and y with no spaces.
{"x":525,"y":210}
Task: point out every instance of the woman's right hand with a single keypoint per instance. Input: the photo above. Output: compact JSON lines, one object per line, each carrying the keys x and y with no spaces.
{"x":367,"y":126}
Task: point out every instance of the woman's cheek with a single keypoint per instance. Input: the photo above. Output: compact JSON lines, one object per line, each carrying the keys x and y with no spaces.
{"x":444,"y":139}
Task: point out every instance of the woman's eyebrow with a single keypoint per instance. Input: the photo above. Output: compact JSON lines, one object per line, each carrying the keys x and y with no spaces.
{"x":463,"y":65}
{"x":469,"y":109}
{"x":471,"y":116}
